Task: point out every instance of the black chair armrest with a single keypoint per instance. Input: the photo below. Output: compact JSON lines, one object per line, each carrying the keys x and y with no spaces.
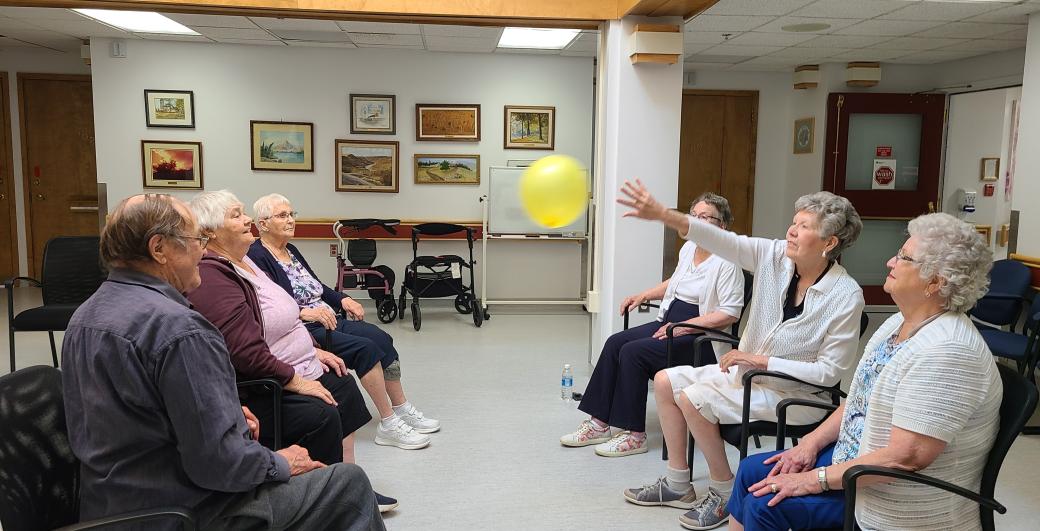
{"x":709,"y":334}
{"x":275,"y":388}
{"x":641,"y":305}
{"x":755,"y":373}
{"x":781,"y":415}
{"x":9,"y":283}
{"x":848,"y":483}
{"x":184,"y":516}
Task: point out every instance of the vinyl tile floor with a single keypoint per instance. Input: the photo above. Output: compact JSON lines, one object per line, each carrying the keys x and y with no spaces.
{"x":497,"y":463}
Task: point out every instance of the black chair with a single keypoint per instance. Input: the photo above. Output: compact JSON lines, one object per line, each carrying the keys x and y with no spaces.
{"x":274,"y":389}
{"x":39,"y":474}
{"x":1020,"y":397}
{"x":1023,"y":348}
{"x":1003,"y":303}
{"x":71,"y":273}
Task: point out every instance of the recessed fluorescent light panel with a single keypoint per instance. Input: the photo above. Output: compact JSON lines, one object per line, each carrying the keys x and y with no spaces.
{"x":548,"y":39}
{"x":137,"y":21}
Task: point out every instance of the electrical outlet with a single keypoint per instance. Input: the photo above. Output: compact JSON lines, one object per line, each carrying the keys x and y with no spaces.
{"x":333,"y":249}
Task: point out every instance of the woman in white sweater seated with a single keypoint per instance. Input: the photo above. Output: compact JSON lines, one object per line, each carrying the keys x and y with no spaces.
{"x":803,"y":321}
{"x":925,"y":397}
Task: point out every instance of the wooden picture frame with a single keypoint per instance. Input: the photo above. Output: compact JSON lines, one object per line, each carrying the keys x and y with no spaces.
{"x":171,"y":164}
{"x":989,"y":169}
{"x":281,"y":146}
{"x":169,"y":108}
{"x":367,"y":166}
{"x":529,"y":127}
{"x":439,"y":168}
{"x":447,"y":122}
{"x":804,"y":135}
{"x":986,"y":231}
{"x":373,"y":114}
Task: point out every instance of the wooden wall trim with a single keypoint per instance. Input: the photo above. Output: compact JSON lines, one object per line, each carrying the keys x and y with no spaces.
{"x":741,"y":93}
{"x":7,"y":159}
{"x":665,"y":8}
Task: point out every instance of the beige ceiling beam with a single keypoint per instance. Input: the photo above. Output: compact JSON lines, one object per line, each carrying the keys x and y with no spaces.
{"x":664,"y":8}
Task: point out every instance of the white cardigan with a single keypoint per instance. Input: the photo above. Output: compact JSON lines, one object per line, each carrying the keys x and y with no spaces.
{"x":820,"y":345}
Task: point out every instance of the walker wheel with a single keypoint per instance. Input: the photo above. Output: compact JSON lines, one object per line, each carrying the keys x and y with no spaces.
{"x":478,"y":313}
{"x":386,"y":310}
{"x":401,"y":304}
{"x":416,"y":316}
{"x":462,"y":304}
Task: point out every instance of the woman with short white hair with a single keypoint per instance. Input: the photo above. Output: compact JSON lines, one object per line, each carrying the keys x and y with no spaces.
{"x":925,"y":398}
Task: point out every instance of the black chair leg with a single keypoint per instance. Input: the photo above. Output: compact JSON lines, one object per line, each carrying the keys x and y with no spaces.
{"x":689,"y":455}
{"x":54,"y":351}
{"x":10,"y":330}
{"x":664,"y":450}
{"x":758,"y":442}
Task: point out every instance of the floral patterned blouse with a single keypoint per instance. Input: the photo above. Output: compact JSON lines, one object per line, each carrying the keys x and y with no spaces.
{"x":306,"y":289}
{"x":851,"y":431}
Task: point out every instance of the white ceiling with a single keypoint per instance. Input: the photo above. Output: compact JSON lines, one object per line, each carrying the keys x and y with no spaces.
{"x":62,"y":30}
{"x":747,"y":34}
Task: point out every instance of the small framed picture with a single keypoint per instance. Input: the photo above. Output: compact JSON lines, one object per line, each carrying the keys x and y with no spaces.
{"x":367,"y":166}
{"x":530,"y":127}
{"x":373,"y":114}
{"x":169,"y":164}
{"x":447,"y":169}
{"x":446,"y":122}
{"x":804,"y":135}
{"x":282,"y":146}
{"x":989,"y":169}
{"x":169,"y":108}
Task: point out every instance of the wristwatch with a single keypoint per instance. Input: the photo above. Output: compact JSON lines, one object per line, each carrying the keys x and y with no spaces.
{"x":821,"y":476}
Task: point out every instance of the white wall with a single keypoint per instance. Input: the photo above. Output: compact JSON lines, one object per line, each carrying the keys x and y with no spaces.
{"x":234,"y":84}
{"x":1027,"y":170}
{"x":13,"y":61}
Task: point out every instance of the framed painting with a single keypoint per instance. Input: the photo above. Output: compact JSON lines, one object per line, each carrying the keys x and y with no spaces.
{"x":367,"y":166}
{"x":989,"y":169}
{"x":373,"y":114}
{"x":281,"y":146}
{"x":530,"y":127}
{"x":169,"y":164}
{"x":443,"y":122}
{"x":169,"y":108}
{"x":447,"y":169}
{"x":804,"y":135}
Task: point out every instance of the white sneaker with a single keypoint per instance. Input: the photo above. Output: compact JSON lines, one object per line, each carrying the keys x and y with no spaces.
{"x":401,"y":435}
{"x":621,"y":445}
{"x":420,"y":422}
{"x":585,"y":435}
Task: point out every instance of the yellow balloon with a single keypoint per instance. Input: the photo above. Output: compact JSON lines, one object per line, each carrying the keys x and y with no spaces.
{"x":554,"y":191}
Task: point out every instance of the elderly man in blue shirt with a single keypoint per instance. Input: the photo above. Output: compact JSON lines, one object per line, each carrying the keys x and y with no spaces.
{"x":151,"y":403}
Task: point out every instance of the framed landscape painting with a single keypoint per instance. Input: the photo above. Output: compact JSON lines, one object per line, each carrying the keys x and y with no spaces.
{"x":373,"y":114}
{"x":444,"y":122}
{"x":530,"y":127}
{"x":282,"y":146}
{"x":169,"y":108}
{"x":447,"y":169}
{"x":367,"y":166}
{"x":167,"y":164}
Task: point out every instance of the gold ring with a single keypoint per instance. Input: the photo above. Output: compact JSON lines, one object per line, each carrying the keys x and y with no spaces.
{"x":772,"y":487}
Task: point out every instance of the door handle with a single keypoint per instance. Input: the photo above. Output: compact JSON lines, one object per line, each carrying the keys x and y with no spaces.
{"x":40,"y":197}
{"x":3,"y":197}
{"x":83,"y":208}
{"x":931,"y":207}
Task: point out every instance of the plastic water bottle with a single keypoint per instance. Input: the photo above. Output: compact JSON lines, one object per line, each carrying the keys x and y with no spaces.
{"x":566,"y":382}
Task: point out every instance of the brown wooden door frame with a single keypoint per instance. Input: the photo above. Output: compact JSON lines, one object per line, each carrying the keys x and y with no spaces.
{"x":26,"y":170}
{"x":7,"y":159}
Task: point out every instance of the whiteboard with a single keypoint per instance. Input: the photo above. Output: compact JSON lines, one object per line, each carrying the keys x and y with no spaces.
{"x":507,"y":216}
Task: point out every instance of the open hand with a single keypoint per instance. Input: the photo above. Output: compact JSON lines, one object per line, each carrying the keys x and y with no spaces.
{"x":786,"y":486}
{"x":302,"y":386}
{"x":798,"y":459}
{"x":743,"y":360}
{"x":662,"y":333}
{"x":331,"y":361}
{"x":321,"y":314}
{"x":643,"y":205}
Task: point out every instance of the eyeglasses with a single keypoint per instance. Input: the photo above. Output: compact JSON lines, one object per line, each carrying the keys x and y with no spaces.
{"x":284,"y":215}
{"x":203,"y":240}
{"x":708,"y":218}
{"x":901,"y":255}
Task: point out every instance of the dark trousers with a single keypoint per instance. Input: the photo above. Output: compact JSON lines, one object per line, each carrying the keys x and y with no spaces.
{"x":311,"y":422}
{"x":360,"y":344}
{"x":616,"y":393}
{"x":816,"y":511}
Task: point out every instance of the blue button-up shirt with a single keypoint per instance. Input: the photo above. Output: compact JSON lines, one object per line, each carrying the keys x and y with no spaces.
{"x":151,"y":404}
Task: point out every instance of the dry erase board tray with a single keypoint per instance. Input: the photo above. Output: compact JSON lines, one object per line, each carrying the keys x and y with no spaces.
{"x":554,"y":237}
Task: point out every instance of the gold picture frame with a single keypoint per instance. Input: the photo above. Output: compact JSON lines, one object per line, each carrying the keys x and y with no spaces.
{"x":446,"y":169}
{"x":367,"y":166}
{"x":804,"y":135}
{"x":529,"y":127}
{"x":989,"y":169}
{"x":171,"y":164}
{"x":281,"y":146}
{"x":447,"y":122}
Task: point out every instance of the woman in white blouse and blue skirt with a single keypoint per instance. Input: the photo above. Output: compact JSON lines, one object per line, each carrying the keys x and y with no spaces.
{"x":803,"y":320}
{"x":705,"y":290}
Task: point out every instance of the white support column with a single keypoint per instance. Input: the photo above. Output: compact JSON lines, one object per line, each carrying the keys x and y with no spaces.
{"x":1027,"y":164}
{"x":638,"y":137}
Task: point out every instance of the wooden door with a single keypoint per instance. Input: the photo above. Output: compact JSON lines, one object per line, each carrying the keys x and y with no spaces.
{"x":717,"y":154}
{"x":58,"y":165}
{"x":8,"y":235}
{"x":884,"y":154}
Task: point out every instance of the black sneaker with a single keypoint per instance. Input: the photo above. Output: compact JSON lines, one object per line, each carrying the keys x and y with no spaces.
{"x":385,"y":503}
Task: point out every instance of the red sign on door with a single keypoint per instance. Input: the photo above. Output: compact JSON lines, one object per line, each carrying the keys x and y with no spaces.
{"x":884,"y":175}
{"x":883,"y":151}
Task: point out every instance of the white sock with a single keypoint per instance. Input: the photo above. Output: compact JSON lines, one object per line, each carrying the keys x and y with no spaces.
{"x":724,"y":488}
{"x":389,"y":421}
{"x":678,"y":480}
{"x":403,"y":408}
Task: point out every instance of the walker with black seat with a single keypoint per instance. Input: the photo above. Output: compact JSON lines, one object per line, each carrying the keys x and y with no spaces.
{"x":440,"y":276}
{"x":356,"y":272}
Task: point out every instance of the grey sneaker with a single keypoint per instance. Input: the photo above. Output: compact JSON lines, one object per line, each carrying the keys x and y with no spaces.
{"x":660,"y":494}
{"x":709,"y":513}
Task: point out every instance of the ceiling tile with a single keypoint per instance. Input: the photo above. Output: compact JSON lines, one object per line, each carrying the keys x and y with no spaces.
{"x":378,"y":27}
{"x":843,"y":41}
{"x":316,"y":36}
{"x":578,"y":53}
{"x":252,"y":42}
{"x":392,"y":46}
{"x":584,"y":43}
{"x":212,"y":21}
{"x":691,"y":66}
{"x":942,"y":11}
{"x":860,"y":9}
{"x":871,"y":55}
{"x":706,"y":37}
{"x":690,"y":49}
{"x":917,"y":43}
{"x":753,"y":38}
{"x":29,"y":13}
{"x":835,"y":24}
{"x":168,"y":37}
{"x":895,"y":28}
{"x":755,"y":7}
{"x":386,"y":39}
{"x":461,"y":31}
{"x":528,"y":51}
{"x":755,"y":67}
{"x":984,"y":45}
{"x":726,"y":23}
{"x":749,"y":51}
{"x":236,"y":33}
{"x":808,"y":53}
{"x":1008,"y":15}
{"x":312,"y":44}
{"x":83,"y":28}
{"x":1018,"y":34}
{"x":709,"y":58}
{"x":295,"y":24}
{"x":773,"y":60}
{"x":436,"y":43}
{"x":934,"y":56}
{"x":967,"y":30}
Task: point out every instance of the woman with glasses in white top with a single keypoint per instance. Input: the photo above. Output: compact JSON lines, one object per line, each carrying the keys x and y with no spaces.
{"x":705,"y":290}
